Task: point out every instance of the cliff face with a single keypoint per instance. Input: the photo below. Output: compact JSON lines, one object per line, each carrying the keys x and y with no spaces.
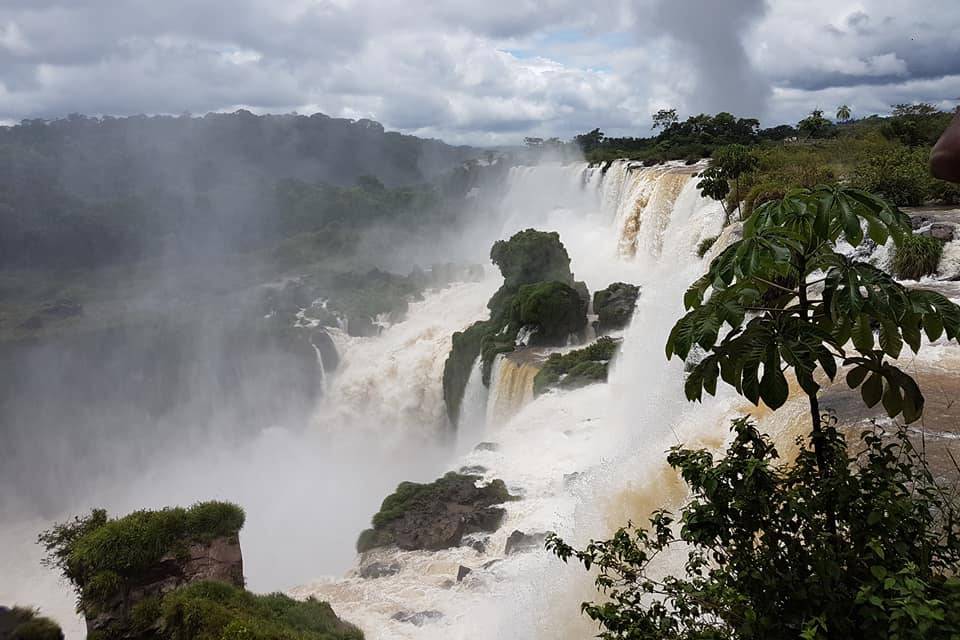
{"x":123,"y":615}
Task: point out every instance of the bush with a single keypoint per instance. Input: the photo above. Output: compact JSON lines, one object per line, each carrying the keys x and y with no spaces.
{"x":576,"y":368}
{"x":764,"y":562}
{"x":99,"y":556}
{"x":21,"y":623}
{"x":916,"y":256}
{"x":219,"y":611}
{"x":900,"y":175}
{"x":532,"y":256}
{"x":705,"y":245}
{"x":555,"y":308}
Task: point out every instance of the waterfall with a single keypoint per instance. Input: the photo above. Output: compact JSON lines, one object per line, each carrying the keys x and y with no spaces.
{"x":473,"y":409}
{"x":322,"y":369}
{"x":511,"y":387}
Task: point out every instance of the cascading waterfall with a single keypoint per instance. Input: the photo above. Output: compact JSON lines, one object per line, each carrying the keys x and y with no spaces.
{"x":584,"y":460}
{"x":322,"y":369}
{"x":511,"y":387}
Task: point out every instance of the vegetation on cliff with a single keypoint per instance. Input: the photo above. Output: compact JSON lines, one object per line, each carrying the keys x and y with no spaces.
{"x":615,"y":305}
{"x":577,"y":368}
{"x":538,"y":290}
{"x":21,"y":623}
{"x":219,"y":611}
{"x":833,"y":545}
{"x":435,"y":515}
{"x":103,"y":557}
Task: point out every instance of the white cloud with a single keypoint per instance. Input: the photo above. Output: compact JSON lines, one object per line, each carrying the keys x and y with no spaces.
{"x":483,"y":73}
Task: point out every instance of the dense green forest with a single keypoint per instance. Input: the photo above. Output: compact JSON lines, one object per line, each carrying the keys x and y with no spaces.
{"x":85,"y":192}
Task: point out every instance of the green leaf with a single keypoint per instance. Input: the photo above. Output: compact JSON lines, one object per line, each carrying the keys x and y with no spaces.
{"x":878,"y":571}
{"x":856,"y":376}
{"x":872,"y":390}
{"x":863,"y":334}
{"x":773,"y":385}
{"x":890,"y":340}
{"x":892,"y":399}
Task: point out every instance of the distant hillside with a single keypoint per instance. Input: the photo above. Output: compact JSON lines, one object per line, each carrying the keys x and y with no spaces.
{"x":87,"y":191}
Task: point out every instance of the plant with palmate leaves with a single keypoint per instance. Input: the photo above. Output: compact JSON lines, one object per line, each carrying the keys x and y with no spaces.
{"x":791,"y":301}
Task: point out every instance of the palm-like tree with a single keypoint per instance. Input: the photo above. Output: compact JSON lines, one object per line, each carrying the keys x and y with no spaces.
{"x":843,"y":113}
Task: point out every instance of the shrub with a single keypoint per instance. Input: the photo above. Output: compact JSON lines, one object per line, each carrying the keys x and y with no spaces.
{"x":99,"y":556}
{"x":576,"y":368}
{"x":554,"y":307}
{"x":532,"y":256}
{"x":21,"y":623}
{"x":705,"y":245}
{"x":763,"y":562}
{"x":899,"y":174}
{"x":219,"y":611}
{"x":917,"y":256}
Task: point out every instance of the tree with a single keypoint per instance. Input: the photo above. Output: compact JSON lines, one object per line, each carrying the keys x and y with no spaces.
{"x":664,"y":118}
{"x":815,"y":125}
{"x":843,"y":113}
{"x":728,"y":163}
{"x":788,"y":248}
{"x":589,"y":141}
{"x":834,"y":545}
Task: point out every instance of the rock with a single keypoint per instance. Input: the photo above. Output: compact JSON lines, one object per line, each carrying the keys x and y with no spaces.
{"x":379,"y":570}
{"x":463,"y":572}
{"x":532,"y":256}
{"x":519,"y":542}
{"x":940,"y":231}
{"x":361,"y":327}
{"x":417,"y":618}
{"x":487,"y":446}
{"x":473,"y":470}
{"x":919,"y":221}
{"x":490,"y":563}
{"x":436,"y":515}
{"x":614,"y":306}
{"x":476,"y":542}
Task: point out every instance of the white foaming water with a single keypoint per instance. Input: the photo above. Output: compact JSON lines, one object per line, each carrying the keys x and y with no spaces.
{"x":584,"y":461}
{"x":390,"y":385}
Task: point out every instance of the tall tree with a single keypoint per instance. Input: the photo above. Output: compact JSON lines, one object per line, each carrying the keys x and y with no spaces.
{"x":664,"y":118}
{"x":792,"y":301}
{"x":729,"y":163}
{"x":843,"y":113}
{"x":814,"y":125}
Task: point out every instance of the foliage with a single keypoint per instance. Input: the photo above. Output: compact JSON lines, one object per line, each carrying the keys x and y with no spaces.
{"x":577,"y":368}
{"x":531,"y":256}
{"x":815,"y":125}
{"x":99,"y":556}
{"x":665,"y":118}
{"x":219,"y":611}
{"x":589,"y":141}
{"x":554,"y":308}
{"x":728,"y":164}
{"x":705,"y":245}
{"x":763,"y":562}
{"x":768,"y":275}
{"x":843,"y":113}
{"x":915,"y":125}
{"x":21,"y":623}
{"x":416,"y":498}
{"x":917,"y":256}
{"x":898,"y":174}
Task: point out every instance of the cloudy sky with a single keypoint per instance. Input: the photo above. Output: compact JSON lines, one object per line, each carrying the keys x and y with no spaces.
{"x":480,"y":72}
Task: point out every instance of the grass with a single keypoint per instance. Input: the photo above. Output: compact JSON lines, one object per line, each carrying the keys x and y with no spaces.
{"x":576,"y":368}
{"x":917,"y":256}
{"x":100,"y":555}
{"x":219,"y":611}
{"x":705,"y":245}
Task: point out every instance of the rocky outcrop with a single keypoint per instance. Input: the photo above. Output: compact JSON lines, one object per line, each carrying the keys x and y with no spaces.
{"x":436,"y":515}
{"x":614,"y":306}
{"x":551,"y":310}
{"x":519,"y":542}
{"x":376,"y":570}
{"x":577,"y":368}
{"x":417,"y":618}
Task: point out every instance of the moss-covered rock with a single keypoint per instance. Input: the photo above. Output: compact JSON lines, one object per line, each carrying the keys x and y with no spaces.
{"x":614,"y":306}
{"x":21,"y":623}
{"x":554,"y":308}
{"x":219,"y":611}
{"x":577,"y":368}
{"x":119,"y":566}
{"x":532,"y":256}
{"x":436,"y":515}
